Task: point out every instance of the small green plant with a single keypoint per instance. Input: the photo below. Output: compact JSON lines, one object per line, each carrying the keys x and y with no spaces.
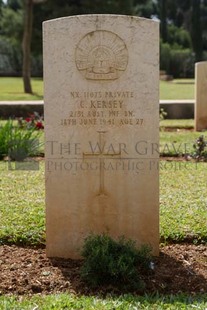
{"x":17,"y":143}
{"x":108,"y":261}
{"x":163,"y":114}
{"x":200,"y":148}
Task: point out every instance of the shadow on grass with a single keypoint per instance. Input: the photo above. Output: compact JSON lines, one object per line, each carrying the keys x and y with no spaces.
{"x":184,"y":82}
{"x":39,"y":97}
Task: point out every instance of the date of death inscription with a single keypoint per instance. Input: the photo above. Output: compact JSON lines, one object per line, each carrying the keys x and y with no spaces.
{"x":102,"y":108}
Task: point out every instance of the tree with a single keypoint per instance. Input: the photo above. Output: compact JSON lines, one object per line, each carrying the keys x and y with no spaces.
{"x":183,"y":25}
{"x":204,"y":23}
{"x":11,"y":25}
{"x":163,"y":19}
{"x":196,"y":30}
{"x":144,"y":8}
{"x":106,"y":7}
{"x":1,"y":5}
{"x":15,"y":5}
{"x":26,"y":44}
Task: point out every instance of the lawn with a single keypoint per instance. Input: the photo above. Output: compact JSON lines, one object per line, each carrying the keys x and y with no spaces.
{"x":182,"y":203}
{"x":125,"y":302}
{"x":183,"y":206}
{"x":178,"y":139}
{"x":182,"y":194}
{"x":177,"y":89}
{"x":21,"y":205}
{"x":178,"y":142}
{"x":12,"y":89}
{"x":177,"y":123}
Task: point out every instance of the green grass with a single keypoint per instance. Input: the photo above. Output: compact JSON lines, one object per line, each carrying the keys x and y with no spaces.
{"x":182,"y":197}
{"x":183,"y":201}
{"x":183,"y":205}
{"x":125,"y":302}
{"x":21,"y":206}
{"x":178,"y":143}
{"x":12,"y":89}
{"x":177,"y":89}
{"x":172,"y":143}
{"x":177,"y":123}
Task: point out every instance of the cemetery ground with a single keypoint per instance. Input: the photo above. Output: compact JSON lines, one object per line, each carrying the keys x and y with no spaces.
{"x":29,"y":280}
{"x":12,"y":89}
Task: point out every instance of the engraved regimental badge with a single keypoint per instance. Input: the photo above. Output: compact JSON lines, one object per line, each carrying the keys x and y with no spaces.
{"x":101,"y":55}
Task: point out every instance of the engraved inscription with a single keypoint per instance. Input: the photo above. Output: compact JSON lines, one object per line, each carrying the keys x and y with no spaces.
{"x":102,"y":155}
{"x":99,"y":108}
{"x":101,"y":55}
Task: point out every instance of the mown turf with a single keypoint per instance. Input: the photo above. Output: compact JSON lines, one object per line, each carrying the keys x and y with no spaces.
{"x":177,"y":123}
{"x":12,"y":89}
{"x":183,"y":206}
{"x":177,"y":89}
{"x":183,"y":203}
{"x":21,"y":205}
{"x":125,"y":302}
{"x":178,"y":142}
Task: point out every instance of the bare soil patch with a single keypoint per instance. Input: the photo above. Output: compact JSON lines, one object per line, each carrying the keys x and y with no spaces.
{"x":179,"y":268}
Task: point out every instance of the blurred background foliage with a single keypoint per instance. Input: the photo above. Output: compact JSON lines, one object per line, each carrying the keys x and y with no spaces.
{"x":183,"y":29}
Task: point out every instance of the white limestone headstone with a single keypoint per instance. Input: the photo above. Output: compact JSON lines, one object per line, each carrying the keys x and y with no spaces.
{"x":201,"y":96}
{"x":101,"y":93}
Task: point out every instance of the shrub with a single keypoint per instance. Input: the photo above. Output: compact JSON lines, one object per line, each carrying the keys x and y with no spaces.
{"x":177,"y":61}
{"x":113,"y":262}
{"x":163,"y":114}
{"x":17,"y":143}
{"x":165,"y":57}
{"x":182,"y":63}
{"x":200,"y":148}
{"x":6,"y":58}
{"x":37,"y":65}
{"x":179,"y":36}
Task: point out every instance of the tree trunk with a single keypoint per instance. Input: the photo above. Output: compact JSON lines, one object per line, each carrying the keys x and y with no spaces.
{"x":26,"y":45}
{"x":163,"y":19}
{"x":196,"y":30}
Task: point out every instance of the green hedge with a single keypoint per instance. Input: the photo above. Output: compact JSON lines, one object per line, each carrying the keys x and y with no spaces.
{"x":176,"y":61}
{"x":11,"y":60}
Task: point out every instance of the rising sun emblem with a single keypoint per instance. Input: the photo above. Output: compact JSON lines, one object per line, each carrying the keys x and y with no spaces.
{"x":101,"y":55}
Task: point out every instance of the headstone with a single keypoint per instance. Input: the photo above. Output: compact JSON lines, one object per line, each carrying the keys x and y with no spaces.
{"x":101,"y":80}
{"x":201,"y":96}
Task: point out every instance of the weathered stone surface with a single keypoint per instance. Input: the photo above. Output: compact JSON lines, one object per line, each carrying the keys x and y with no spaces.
{"x":101,"y":80}
{"x":201,"y":96}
